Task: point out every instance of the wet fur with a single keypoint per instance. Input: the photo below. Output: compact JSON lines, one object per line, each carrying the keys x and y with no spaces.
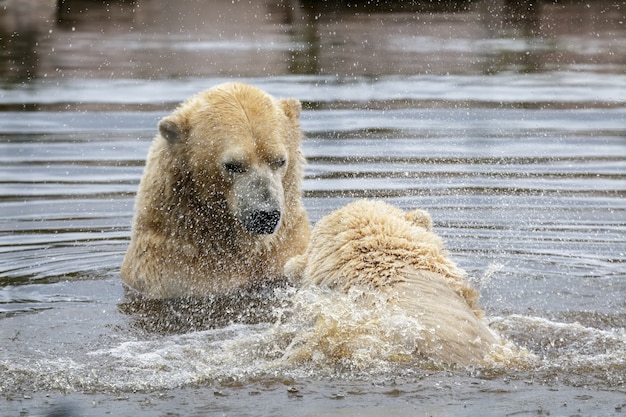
{"x":190,"y":236}
{"x":373,"y":246}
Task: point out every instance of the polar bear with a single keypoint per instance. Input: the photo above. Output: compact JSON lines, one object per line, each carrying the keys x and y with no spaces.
{"x":377,"y":248}
{"x":219,"y":205}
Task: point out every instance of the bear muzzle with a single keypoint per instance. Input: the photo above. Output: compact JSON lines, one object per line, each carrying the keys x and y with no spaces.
{"x":259,"y":201}
{"x":262,"y":222}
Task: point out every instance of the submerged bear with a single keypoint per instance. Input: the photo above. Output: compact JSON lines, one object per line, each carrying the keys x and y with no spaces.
{"x":219,"y":204}
{"x":396,"y":292}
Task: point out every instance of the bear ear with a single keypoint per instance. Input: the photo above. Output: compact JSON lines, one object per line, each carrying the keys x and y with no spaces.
{"x":170,"y":131}
{"x":420,"y":218}
{"x":291,"y":107}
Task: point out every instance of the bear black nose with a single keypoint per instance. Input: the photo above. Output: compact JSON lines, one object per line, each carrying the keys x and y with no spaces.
{"x":262,"y":222}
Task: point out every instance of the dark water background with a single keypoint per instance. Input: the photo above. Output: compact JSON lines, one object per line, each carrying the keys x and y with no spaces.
{"x":506,"y":123}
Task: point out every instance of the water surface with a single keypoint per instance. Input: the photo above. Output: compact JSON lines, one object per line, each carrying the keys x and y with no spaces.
{"x":510,"y":132}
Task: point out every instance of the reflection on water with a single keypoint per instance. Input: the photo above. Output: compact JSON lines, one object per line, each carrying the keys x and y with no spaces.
{"x":156,"y":39}
{"x":506,"y":123}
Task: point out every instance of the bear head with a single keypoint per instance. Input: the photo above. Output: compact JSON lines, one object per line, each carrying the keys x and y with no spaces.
{"x":236,"y":149}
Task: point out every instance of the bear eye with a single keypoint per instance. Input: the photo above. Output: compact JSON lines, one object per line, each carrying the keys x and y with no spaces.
{"x":278,"y":163}
{"x":234,"y":167}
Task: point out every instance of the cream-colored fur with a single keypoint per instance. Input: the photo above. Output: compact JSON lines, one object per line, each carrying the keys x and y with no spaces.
{"x":373,"y":246}
{"x":221,"y":158}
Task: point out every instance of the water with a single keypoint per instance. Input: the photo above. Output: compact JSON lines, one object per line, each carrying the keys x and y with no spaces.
{"x":510,"y":132}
